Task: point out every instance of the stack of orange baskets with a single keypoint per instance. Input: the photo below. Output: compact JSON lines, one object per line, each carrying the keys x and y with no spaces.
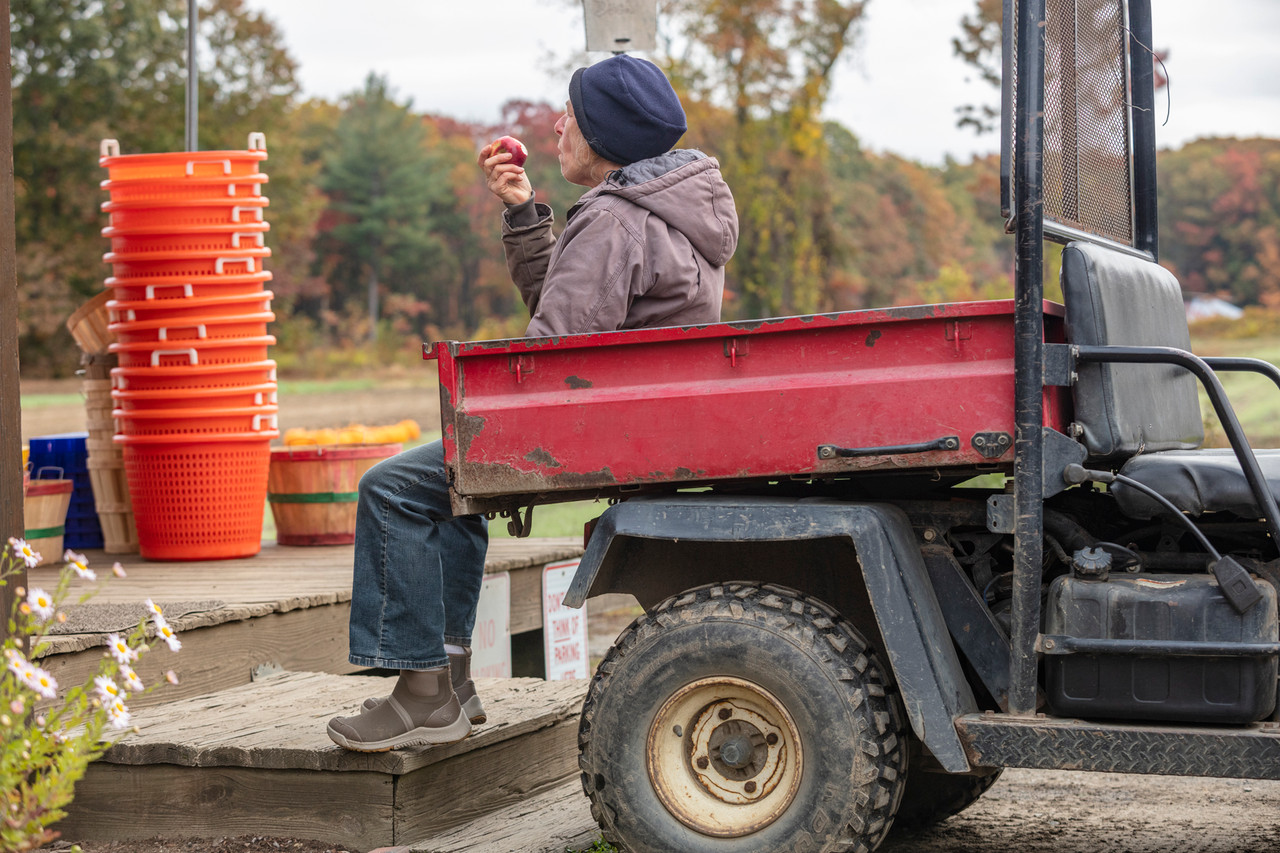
{"x":194,"y":394}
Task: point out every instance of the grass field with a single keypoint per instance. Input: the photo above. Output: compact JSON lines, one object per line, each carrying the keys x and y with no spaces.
{"x":1256,"y":400}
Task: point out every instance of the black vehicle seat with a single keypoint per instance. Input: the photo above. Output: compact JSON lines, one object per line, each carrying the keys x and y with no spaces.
{"x":1145,"y":418}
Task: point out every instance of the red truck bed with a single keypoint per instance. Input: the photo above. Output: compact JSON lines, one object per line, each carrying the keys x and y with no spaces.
{"x":539,"y":420}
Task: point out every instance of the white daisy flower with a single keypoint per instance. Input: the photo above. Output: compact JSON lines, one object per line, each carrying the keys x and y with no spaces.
{"x":153,"y":607}
{"x":171,"y":677}
{"x":131,"y":679}
{"x":24,"y":551}
{"x":41,"y":603}
{"x":81,"y":565}
{"x":165,"y":632}
{"x":119,"y":713}
{"x":121,"y":650}
{"x":42,"y":683}
{"x":17,"y":664}
{"x":106,"y":689}
{"x":118,"y":570}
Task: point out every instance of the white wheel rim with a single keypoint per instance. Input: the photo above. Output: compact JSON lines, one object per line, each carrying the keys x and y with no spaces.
{"x":724,"y":757}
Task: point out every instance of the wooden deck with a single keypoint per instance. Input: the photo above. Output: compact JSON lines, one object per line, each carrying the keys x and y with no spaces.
{"x":262,"y":668}
{"x":284,"y":609}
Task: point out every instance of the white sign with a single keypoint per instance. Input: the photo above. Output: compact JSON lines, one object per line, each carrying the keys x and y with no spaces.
{"x":564,"y":628}
{"x":491,"y":637}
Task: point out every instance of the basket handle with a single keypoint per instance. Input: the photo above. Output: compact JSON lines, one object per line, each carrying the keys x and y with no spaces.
{"x":187,"y":289}
{"x":257,"y":141}
{"x":225,"y":162}
{"x":220,"y":263}
{"x":255,"y":235}
{"x":258,"y":419}
{"x":109,"y":148}
{"x":43,"y":468}
{"x":235,"y":212}
{"x":202,"y":330}
{"x":190,"y":353}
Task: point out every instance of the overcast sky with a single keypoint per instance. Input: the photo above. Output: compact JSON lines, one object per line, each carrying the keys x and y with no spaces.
{"x":897,"y":89}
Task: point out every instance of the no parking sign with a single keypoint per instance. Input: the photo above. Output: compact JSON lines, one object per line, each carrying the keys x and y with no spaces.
{"x":563,"y":628}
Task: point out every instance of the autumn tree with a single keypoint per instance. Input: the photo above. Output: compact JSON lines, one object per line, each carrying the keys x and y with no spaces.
{"x":767,"y":64}
{"x":1219,"y":203}
{"x":389,"y":202}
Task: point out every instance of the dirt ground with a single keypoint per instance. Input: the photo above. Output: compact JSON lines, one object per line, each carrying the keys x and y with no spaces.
{"x":1040,"y":811}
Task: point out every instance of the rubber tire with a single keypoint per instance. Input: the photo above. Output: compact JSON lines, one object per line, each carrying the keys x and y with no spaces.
{"x":931,"y":797}
{"x":847,"y":713}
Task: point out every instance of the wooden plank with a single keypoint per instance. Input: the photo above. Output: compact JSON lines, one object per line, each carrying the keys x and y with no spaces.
{"x":224,"y":656}
{"x":466,"y":787}
{"x":549,"y":822}
{"x":10,"y":385}
{"x":526,"y":599}
{"x":279,"y":723}
{"x":121,"y":802}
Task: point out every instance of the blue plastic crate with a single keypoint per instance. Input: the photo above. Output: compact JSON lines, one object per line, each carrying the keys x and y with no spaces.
{"x":65,"y":456}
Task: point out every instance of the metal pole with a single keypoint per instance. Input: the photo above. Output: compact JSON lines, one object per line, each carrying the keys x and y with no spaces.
{"x":193,"y":77}
{"x":1028,"y":479}
{"x":1142,"y":69}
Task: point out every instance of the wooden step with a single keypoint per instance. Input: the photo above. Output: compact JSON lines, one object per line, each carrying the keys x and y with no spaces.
{"x":554,"y":821}
{"x":256,"y":759}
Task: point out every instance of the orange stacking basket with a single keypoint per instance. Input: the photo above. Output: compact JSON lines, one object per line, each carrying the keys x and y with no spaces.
{"x":194,"y":395}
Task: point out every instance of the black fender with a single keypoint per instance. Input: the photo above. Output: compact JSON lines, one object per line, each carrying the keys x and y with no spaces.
{"x":906,"y":610}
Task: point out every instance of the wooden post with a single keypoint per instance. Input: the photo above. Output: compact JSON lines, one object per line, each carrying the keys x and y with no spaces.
{"x":10,"y":393}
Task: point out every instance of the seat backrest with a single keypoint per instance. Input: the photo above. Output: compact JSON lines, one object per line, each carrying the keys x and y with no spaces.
{"x":1115,"y":299}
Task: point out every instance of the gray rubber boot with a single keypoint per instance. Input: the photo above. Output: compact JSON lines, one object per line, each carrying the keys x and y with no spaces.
{"x":460,"y":675}
{"x":422,"y":710}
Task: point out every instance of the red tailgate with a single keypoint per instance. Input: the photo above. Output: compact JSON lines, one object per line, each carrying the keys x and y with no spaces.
{"x":603,"y":413}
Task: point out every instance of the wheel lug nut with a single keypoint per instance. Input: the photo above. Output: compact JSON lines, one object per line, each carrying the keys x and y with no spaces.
{"x":725,"y":713}
{"x":771,"y":739}
{"x":703,"y":763}
{"x":750,"y":787}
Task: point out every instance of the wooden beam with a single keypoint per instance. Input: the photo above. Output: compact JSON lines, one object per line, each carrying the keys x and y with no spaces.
{"x":10,"y":388}
{"x":124,"y":802}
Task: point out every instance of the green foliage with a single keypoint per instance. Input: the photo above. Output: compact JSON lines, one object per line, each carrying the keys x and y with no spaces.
{"x":85,"y":70}
{"x":390,"y":199}
{"x":47,"y":740}
{"x":600,"y":846}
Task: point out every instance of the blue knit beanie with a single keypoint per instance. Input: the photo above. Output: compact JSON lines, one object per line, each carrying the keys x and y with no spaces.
{"x":626,"y":109}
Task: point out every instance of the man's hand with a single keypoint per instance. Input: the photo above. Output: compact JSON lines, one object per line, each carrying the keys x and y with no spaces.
{"x":507,"y":182}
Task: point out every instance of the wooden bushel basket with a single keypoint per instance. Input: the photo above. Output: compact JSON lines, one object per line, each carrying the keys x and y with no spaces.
{"x":313,"y":490}
{"x":44,"y":511}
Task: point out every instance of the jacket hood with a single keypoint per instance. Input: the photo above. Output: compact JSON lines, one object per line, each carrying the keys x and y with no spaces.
{"x":685,"y":189}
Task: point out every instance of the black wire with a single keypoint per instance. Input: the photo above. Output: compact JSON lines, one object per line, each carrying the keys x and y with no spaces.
{"x":1128,"y":552}
{"x":1164,"y":502}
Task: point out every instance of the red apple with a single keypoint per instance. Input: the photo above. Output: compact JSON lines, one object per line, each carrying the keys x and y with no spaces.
{"x":512,"y":146}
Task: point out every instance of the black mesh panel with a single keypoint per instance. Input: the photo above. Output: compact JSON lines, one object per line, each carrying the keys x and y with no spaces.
{"x":1087,"y":177}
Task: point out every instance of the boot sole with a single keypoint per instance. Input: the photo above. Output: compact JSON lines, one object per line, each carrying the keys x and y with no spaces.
{"x":473,"y":708}
{"x":421,"y":736}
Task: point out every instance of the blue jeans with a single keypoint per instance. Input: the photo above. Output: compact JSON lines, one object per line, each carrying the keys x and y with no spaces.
{"x":418,"y":569}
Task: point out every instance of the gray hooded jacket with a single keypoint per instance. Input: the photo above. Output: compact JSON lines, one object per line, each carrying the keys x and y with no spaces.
{"x":645,"y":248}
